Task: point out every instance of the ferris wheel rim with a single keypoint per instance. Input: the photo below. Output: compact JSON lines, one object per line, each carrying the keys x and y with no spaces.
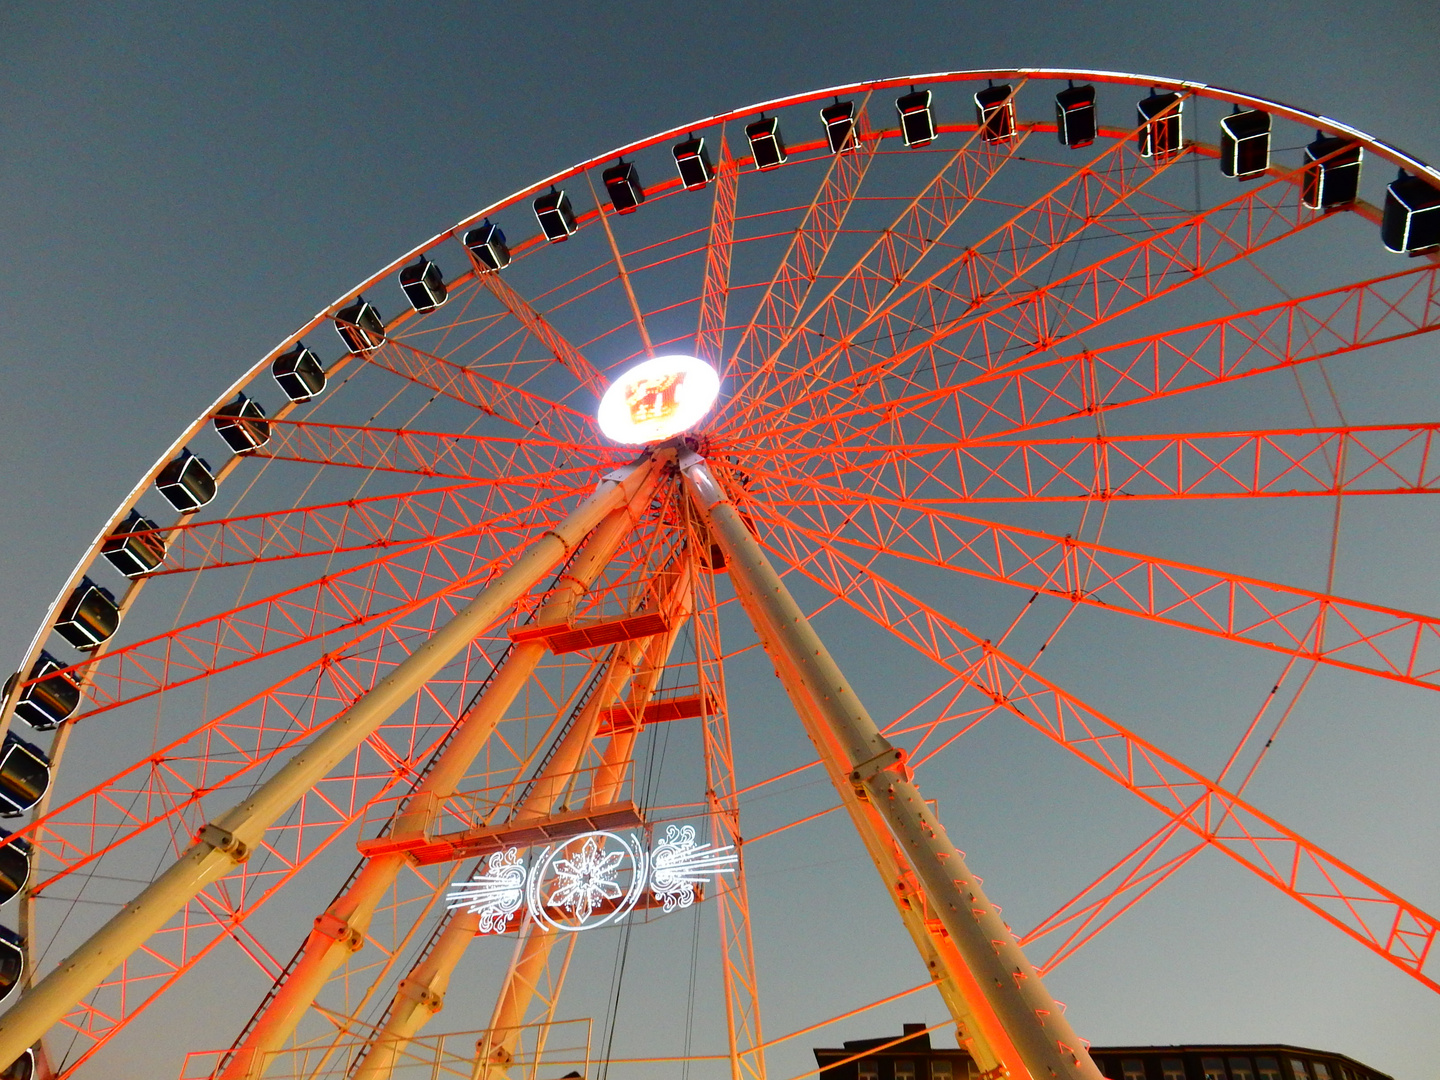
{"x":1381,"y":148}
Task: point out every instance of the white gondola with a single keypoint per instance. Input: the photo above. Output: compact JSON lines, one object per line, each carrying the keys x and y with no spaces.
{"x":1160,"y":125}
{"x":24,"y":775}
{"x":90,"y":616}
{"x":917,"y":122}
{"x":360,"y":326}
{"x":1410,"y":222}
{"x":187,"y":483}
{"x":487,"y":247}
{"x":136,"y":547}
{"x":242,"y":425}
{"x":12,"y":962}
{"x":692,"y":161}
{"x":1075,"y":124}
{"x":1245,"y":144}
{"x":839,"y":121}
{"x":995,"y":113}
{"x":14,"y":866}
{"x":556,"y":217}
{"x":423,"y":285}
{"x":766,"y":143}
{"x":299,"y":373}
{"x":1332,"y":172}
{"x":51,"y":696}
{"x":622,"y":184}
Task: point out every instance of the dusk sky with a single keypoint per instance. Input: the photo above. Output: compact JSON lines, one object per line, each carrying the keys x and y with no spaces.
{"x":181,"y":186}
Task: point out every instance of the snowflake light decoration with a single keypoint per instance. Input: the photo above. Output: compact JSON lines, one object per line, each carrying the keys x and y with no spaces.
{"x":591,"y":879}
{"x":586,"y":879}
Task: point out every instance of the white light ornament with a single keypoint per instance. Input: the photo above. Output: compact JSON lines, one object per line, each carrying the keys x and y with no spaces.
{"x":658,"y":399}
{"x":495,"y":893}
{"x":593,"y":879}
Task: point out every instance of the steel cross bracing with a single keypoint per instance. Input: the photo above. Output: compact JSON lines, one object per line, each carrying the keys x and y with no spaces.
{"x":1009,"y":328}
{"x":860,"y":759}
{"x":789,"y":290}
{"x":745,"y":1037}
{"x":986,"y":271}
{"x":1351,"y":634}
{"x":341,"y":929}
{"x":421,"y":993}
{"x":1300,"y":462}
{"x":318,"y":825}
{"x":1241,"y":345}
{"x":869,"y":286}
{"x":1384,"y":922}
{"x":351,"y":599}
{"x":446,"y":455}
{"x":227,"y":842}
{"x":715,"y":289}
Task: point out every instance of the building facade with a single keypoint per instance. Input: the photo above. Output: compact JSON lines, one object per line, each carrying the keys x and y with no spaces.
{"x":910,"y":1056}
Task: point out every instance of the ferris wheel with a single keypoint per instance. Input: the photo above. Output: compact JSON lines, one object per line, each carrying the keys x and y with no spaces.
{"x":398,"y":653}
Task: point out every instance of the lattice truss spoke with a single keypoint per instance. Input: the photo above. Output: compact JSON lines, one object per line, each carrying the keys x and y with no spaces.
{"x":988,"y":373}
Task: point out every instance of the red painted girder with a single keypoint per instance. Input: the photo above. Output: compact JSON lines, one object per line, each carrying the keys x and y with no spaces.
{"x":215,"y":916}
{"x":779,"y":307}
{"x":1240,"y":345}
{"x":986,"y":271}
{"x":884,"y":269}
{"x":544,"y":331}
{"x":310,"y":611}
{"x":434,"y":515}
{"x":715,"y":291}
{"x":1352,"y":634}
{"x":1378,"y":918}
{"x":1115,"y":892}
{"x":432,"y":453}
{"x":1394,"y":459}
{"x":221,"y":750}
{"x":999,"y":338}
{"x":492,"y":396}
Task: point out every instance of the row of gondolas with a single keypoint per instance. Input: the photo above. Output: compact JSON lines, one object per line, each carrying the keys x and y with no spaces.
{"x":91,"y":615}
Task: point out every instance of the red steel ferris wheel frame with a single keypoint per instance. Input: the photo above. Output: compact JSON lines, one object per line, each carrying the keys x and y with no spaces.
{"x":1412,"y":310}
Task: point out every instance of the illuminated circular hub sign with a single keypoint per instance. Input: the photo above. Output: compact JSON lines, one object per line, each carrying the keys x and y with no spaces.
{"x":657,"y":399}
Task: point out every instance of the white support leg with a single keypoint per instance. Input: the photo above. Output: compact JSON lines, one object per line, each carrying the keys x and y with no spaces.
{"x":340,"y":931}
{"x":229,"y":840}
{"x":1011,"y":986}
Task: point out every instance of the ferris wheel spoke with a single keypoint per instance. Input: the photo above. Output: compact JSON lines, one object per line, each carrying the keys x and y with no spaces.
{"x":987,"y":272}
{"x":1367,"y":638}
{"x":1044,"y":318}
{"x":494,"y":397}
{"x":1283,"y":463}
{"x":479,"y":458}
{"x":719,"y":246}
{"x":218,"y":914}
{"x":1143,"y":870}
{"x":1239,"y":345}
{"x":884,"y":269}
{"x":429,"y":515}
{"x":371,"y":592}
{"x":544,"y":331}
{"x":172,"y":782}
{"x":785,"y":297}
{"x":1394,"y":928}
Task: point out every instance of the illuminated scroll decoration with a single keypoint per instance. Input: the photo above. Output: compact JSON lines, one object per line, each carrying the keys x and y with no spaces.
{"x":678,"y":864}
{"x":591,"y":880}
{"x":495,"y":893}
